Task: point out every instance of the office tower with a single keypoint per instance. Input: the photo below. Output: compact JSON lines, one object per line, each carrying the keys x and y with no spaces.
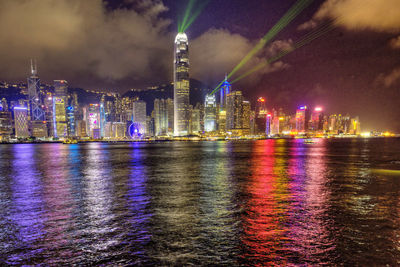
{"x":195,"y":125}
{"x":302,"y":119}
{"x":181,"y":85}
{"x":317,"y":120}
{"x":246,"y":111}
{"x":59,"y":109}
{"x":224,"y":91}
{"x":234,"y":110}
{"x":6,"y":126}
{"x":160,"y":117}
{"x":81,"y":129}
{"x":102,"y":116}
{"x":36,"y":112}
{"x":261,"y":108}
{"x":139,"y":116}
{"x":210,"y":113}
{"x":221,"y":121}
{"x":92,"y":117}
{"x":21,"y":122}
{"x":170,"y":115}
{"x":60,"y":88}
{"x":4,"y":104}
{"x":268,"y":124}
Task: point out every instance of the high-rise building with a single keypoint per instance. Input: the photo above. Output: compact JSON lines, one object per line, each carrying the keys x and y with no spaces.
{"x":6,"y":127}
{"x":302,"y":119}
{"x":160,"y":117}
{"x":195,"y":125}
{"x":181,"y":85}
{"x":224,"y":91}
{"x":35,"y":110}
{"x":268,"y":124}
{"x":60,"y":125}
{"x":60,"y":88}
{"x":21,"y":122}
{"x":139,"y":115}
{"x":234,"y":118}
{"x":317,"y":120}
{"x":210,"y":113}
{"x":92,"y":117}
{"x":246,"y":111}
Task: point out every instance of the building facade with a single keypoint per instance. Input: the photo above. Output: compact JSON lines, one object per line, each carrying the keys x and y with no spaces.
{"x":181,"y":85}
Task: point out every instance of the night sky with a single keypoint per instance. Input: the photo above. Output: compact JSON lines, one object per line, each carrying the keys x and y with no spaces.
{"x":117,"y":45}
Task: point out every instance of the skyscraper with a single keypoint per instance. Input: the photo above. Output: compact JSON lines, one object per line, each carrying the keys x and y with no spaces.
{"x":224,"y":91}
{"x":160,"y":117}
{"x":36,"y":112}
{"x":139,"y":115}
{"x":21,"y":122}
{"x":234,"y":118}
{"x":302,"y":119}
{"x":59,"y":108}
{"x":210,"y":113}
{"x":181,"y":85}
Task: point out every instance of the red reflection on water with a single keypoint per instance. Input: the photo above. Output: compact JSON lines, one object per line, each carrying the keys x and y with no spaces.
{"x":263,"y":231}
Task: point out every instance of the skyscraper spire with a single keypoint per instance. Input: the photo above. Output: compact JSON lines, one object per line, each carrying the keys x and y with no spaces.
{"x":33,"y":68}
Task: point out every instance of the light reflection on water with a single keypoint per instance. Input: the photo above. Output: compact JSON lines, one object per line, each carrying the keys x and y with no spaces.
{"x":265,"y":202}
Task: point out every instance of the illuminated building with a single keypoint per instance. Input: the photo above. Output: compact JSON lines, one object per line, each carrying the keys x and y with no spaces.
{"x":139,"y":115}
{"x":60,"y":88}
{"x":246,"y":111}
{"x":317,"y":120}
{"x":161,"y":117}
{"x":39,"y":129}
{"x":181,"y":85}
{"x":268,"y":124}
{"x":210,"y":113}
{"x":59,"y":109}
{"x":234,"y":111}
{"x":221,"y":121}
{"x":36,"y":112}
{"x":302,"y":119}
{"x":81,"y":129}
{"x":224,"y":91}
{"x":260,"y":119}
{"x":6,"y":126}
{"x":21,"y":122}
{"x":195,"y":124}
{"x":355,"y":126}
{"x":119,"y":130}
{"x":70,"y":121}
{"x":92,"y":116}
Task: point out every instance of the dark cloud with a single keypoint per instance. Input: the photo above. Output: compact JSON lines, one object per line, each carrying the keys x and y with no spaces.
{"x":72,"y":39}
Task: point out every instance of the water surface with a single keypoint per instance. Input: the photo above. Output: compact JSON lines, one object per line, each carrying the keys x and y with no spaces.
{"x":229,"y":203}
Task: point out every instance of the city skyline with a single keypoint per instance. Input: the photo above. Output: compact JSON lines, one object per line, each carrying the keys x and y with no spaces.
{"x":370,"y":89}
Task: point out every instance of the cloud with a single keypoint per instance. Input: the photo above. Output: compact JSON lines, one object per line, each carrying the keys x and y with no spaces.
{"x":76,"y":39}
{"x":218,"y":51}
{"x":389,"y":79}
{"x":395,"y":42}
{"x":91,"y":45}
{"x":377,"y":15}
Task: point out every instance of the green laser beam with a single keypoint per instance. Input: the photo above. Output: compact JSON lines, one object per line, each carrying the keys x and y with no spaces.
{"x":194,"y":16}
{"x":305,"y":40}
{"x":292,"y":13}
{"x":188,"y":11}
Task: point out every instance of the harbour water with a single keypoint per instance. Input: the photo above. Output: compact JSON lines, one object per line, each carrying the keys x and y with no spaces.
{"x":285,"y":202}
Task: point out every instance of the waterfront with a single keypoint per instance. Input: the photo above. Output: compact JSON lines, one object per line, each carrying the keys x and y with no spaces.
{"x":334,"y":201}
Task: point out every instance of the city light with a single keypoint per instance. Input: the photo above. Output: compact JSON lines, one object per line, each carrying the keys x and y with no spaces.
{"x":318,"y":109}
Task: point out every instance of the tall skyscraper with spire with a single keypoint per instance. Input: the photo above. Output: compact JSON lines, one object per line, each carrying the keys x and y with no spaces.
{"x":224,"y":91}
{"x":36,"y":112}
{"x":181,"y":85}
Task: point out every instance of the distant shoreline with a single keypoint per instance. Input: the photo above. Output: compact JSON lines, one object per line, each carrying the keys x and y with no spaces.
{"x":193,"y":140}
